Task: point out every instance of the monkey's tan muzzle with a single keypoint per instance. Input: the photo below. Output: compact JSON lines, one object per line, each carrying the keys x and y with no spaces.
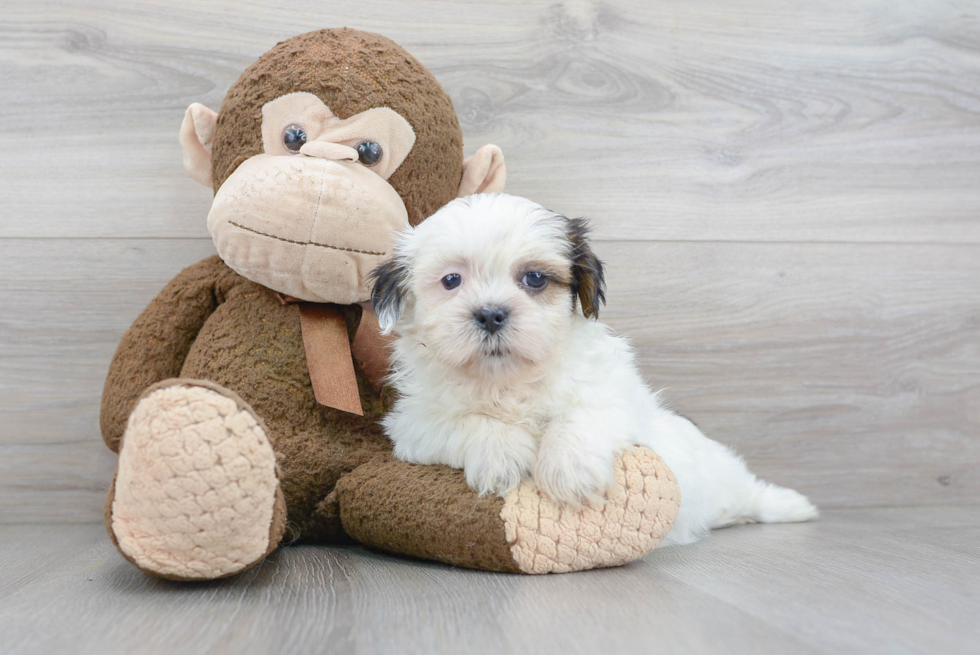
{"x":308,"y":227}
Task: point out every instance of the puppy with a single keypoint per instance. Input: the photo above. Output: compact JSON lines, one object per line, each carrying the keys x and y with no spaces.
{"x":503,"y":371}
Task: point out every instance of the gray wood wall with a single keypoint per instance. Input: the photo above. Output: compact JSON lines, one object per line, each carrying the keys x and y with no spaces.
{"x":787,"y":196}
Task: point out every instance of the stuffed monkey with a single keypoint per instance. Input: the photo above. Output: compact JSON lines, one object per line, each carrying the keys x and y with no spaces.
{"x":244,"y":400}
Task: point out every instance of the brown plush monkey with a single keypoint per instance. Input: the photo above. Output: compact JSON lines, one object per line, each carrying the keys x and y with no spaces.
{"x":244,"y":401}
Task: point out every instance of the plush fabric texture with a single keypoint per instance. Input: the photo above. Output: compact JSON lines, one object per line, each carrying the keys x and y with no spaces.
{"x":549,"y":538}
{"x":430,"y":512}
{"x":196,"y":494}
{"x":243,"y":339}
{"x":196,"y":133}
{"x":380,"y":124}
{"x":424,"y":511}
{"x":372,"y":349}
{"x":252,"y":344}
{"x":350,"y":71}
{"x":216,"y":370}
{"x":335,"y":472}
{"x":484,"y":172}
{"x":301,"y":239}
{"x":156,"y":344}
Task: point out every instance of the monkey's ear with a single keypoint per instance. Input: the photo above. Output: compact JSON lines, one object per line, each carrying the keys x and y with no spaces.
{"x":588,"y":279}
{"x":196,"y":133}
{"x":484,"y":172}
{"x":389,"y":292}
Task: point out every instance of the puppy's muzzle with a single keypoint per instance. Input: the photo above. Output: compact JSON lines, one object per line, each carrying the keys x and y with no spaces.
{"x":491,"y":319}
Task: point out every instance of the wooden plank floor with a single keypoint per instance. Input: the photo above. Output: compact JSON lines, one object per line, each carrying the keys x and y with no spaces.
{"x":787,"y":199}
{"x":857,"y":581}
{"x":786,"y":196}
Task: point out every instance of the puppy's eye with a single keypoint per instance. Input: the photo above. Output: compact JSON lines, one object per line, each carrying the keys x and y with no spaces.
{"x":293,"y":137}
{"x":452,"y":280}
{"x":369,"y":152}
{"x":535,"y":280}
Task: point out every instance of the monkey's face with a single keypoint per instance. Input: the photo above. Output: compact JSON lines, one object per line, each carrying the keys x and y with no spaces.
{"x":327,"y":145}
{"x":313,"y":214}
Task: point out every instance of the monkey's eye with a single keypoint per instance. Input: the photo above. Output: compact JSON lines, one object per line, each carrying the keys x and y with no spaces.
{"x":293,"y":137}
{"x":535,"y":280}
{"x":452,"y":280}
{"x":369,"y":152}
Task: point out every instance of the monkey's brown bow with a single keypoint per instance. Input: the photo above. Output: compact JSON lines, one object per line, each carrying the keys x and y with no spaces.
{"x":330,"y":355}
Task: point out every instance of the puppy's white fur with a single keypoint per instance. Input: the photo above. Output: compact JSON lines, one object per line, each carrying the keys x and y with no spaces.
{"x":551,"y":395}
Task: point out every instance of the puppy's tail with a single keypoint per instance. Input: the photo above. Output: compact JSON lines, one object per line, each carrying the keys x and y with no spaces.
{"x":774,"y":504}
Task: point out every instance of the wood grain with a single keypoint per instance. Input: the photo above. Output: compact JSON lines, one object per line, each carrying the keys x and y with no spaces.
{"x":857,"y":581}
{"x":848,"y":371}
{"x":778,"y":121}
{"x":786,"y":195}
{"x":68,"y":302}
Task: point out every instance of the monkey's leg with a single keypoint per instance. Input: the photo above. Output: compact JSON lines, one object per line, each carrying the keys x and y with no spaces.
{"x":430,"y":512}
{"x":196,"y":494}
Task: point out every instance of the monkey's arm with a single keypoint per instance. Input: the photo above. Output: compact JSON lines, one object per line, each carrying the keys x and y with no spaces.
{"x":429,"y":511}
{"x":155,"y":346}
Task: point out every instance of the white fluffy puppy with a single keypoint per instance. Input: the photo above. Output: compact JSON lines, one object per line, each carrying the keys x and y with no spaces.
{"x":501,"y":371}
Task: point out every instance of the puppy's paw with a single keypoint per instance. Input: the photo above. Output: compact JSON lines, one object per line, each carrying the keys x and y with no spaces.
{"x":494,"y":477}
{"x":497,"y":461}
{"x":574,"y":476}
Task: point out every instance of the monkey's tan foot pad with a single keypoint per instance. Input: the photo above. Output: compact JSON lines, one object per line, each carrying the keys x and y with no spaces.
{"x":430,"y":512}
{"x":196,"y":494}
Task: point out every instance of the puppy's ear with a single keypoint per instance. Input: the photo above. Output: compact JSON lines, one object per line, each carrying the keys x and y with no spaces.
{"x":588,"y":280}
{"x":390,"y":291}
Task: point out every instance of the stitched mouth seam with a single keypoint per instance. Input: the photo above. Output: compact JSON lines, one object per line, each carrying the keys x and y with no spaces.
{"x":305,"y":243}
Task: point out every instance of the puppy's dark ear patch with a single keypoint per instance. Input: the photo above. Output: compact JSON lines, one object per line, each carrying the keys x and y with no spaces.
{"x":588,"y":280}
{"x":389,"y":292}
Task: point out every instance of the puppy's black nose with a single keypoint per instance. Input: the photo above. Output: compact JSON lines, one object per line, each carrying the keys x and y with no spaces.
{"x":491,"y":319}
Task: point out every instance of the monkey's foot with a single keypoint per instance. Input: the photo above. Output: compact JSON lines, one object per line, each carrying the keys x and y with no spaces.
{"x":548,"y":537}
{"x":430,"y":512}
{"x":196,"y":495}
